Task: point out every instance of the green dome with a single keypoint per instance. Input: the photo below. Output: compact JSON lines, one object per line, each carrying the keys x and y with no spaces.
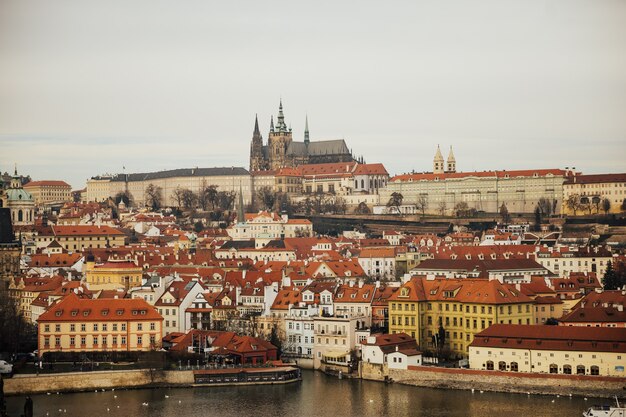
{"x":18,"y":194}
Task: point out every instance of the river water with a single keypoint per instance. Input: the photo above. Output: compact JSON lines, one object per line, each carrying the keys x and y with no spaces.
{"x":316,"y":395}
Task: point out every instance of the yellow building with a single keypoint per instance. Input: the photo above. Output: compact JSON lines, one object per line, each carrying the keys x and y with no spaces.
{"x":47,"y":192}
{"x":550,"y":349}
{"x":86,"y":325}
{"x":112,"y":274}
{"x":462,"y":307}
{"x":583,"y":194}
{"x":75,"y":238}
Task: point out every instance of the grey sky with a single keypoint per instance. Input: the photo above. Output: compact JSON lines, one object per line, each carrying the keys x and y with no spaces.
{"x":87,"y":87}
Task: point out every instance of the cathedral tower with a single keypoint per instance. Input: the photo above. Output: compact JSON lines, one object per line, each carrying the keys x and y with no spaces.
{"x":279,"y":139}
{"x":257,"y":160}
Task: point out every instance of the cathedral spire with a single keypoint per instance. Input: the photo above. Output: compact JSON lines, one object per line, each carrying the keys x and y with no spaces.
{"x":306,"y":130}
{"x":256,"y":124}
{"x":438,"y":162}
{"x":272,"y":124}
{"x":280,"y":120}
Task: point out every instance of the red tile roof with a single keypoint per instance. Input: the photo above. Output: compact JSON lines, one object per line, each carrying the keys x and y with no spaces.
{"x":568,"y":338}
{"x":595,"y":178}
{"x":429,"y":176}
{"x":47,"y":183}
{"x":72,"y":309}
{"x":85,"y":230}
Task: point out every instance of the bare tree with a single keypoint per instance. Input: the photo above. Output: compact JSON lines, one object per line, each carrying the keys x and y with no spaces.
{"x":266,"y":197}
{"x":606,"y":205}
{"x":545,"y":206}
{"x":395,"y":201}
{"x":422,"y":203}
{"x":461,"y":209}
{"x":124,"y":196}
{"x":207,"y":196}
{"x":362,"y":208}
{"x":177,"y":196}
{"x":441,"y":208}
{"x":153,"y":196}
{"x":504,"y":214}
{"x":225,"y":200}
{"x":573,"y":203}
{"x":596,"y":202}
{"x":189,"y":198}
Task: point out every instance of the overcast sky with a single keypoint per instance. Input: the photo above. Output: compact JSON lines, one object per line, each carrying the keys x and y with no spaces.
{"x":87,"y":87}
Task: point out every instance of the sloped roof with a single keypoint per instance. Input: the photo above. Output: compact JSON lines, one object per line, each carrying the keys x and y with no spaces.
{"x":182,"y":172}
{"x":73,"y":308}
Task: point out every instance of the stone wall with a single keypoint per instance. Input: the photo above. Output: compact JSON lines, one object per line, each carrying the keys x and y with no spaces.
{"x":579,"y":385}
{"x":373,"y":371}
{"x":87,"y":381}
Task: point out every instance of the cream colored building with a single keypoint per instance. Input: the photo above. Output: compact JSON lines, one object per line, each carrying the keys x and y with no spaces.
{"x":335,"y":341}
{"x":48,"y":192}
{"x":75,"y":238}
{"x":93,"y":325}
{"x":550,"y":349}
{"x":485,"y":191}
{"x":590,"y":190}
{"x":113,"y":274}
{"x":230,"y":179}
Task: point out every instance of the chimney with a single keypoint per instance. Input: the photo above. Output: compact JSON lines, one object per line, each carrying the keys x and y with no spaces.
{"x":351,"y":283}
{"x":360,"y":283}
{"x":620,"y":307}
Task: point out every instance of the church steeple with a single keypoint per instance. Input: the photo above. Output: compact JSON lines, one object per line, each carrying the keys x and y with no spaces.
{"x":280,"y":120}
{"x":256,"y":125}
{"x":272,"y":124}
{"x":306,"y":130}
{"x":438,"y":162}
{"x":451,"y":162}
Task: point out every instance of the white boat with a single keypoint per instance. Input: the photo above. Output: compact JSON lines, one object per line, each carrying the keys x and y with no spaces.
{"x":606,"y":410}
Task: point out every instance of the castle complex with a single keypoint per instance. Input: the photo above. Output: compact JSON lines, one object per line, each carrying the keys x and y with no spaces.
{"x":282,"y":151}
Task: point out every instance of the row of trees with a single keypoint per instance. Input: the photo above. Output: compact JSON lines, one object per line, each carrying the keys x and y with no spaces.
{"x":584,"y":204}
{"x":207,"y":198}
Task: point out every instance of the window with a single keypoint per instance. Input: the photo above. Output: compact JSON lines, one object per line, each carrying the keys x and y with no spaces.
{"x":95,"y":327}
{"x":514,"y":367}
{"x":595,"y":370}
{"x":114,"y":327}
{"x":139,"y":340}
{"x":46,"y":328}
{"x":580,"y":370}
{"x":83,"y":340}
{"x":152,"y":326}
{"x":489,"y":365}
{"x":554,"y":369}
{"x":123,"y":327}
{"x":123,"y":340}
{"x":57,"y":341}
{"x":83,"y":327}
{"x":567,"y":369}
{"x":139,"y":326}
{"x":57,"y":328}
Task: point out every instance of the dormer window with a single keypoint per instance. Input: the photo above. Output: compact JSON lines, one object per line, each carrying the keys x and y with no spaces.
{"x":119,"y":312}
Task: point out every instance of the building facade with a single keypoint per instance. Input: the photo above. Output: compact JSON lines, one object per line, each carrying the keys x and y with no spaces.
{"x":441,"y":191}
{"x":95,"y":325}
{"x":49,"y":192}
{"x":231,"y":179}
{"x":550,"y":349}
{"x":588,"y":193}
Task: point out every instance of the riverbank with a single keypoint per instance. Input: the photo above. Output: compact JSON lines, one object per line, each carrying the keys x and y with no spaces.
{"x":496,"y":381}
{"x":146,"y":378}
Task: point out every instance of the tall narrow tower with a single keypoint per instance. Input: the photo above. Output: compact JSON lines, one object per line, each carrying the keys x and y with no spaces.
{"x":257,"y":161}
{"x":306,"y":130}
{"x":451,"y":162}
{"x":279,"y":139}
{"x":438,"y":162}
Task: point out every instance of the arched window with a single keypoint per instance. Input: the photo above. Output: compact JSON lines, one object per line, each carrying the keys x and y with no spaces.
{"x":20,"y":216}
{"x":502,"y":366}
{"x":580,"y":370}
{"x":489,"y":365}
{"x":362,"y":183}
{"x":554,"y":369}
{"x":356,"y":183}
{"x":514,"y":367}
{"x":567,"y":369}
{"x":595,"y":370}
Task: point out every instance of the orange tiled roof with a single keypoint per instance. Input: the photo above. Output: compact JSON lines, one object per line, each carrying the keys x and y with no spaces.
{"x":73,"y":308}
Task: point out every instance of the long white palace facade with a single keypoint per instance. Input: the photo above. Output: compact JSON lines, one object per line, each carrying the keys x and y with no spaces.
{"x":442,"y":189}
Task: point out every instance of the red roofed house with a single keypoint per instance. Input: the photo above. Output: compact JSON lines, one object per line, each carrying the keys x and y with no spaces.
{"x":94,"y":325}
{"x":396,"y":351}
{"x":379,"y":262}
{"x":550,"y":349}
{"x":78,"y":237}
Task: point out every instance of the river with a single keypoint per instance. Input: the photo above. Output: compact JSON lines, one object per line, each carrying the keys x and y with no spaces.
{"x":316,"y":395}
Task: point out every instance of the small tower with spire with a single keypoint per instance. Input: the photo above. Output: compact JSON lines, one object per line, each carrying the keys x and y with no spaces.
{"x":451,"y":162}
{"x":306,"y":130}
{"x":438,"y":162}
{"x":257,"y":161}
{"x":279,"y":139}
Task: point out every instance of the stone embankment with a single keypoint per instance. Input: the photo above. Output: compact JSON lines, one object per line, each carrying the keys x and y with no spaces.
{"x":467,"y":379}
{"x":89,"y":381}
